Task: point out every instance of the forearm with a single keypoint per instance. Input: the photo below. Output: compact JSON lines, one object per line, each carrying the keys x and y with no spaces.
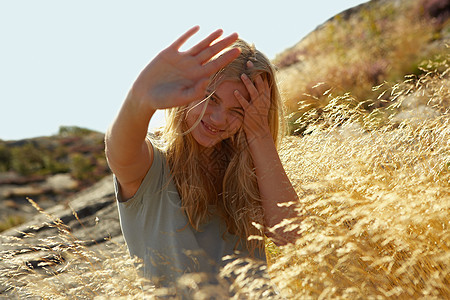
{"x":125,"y":138}
{"x":274,"y":186}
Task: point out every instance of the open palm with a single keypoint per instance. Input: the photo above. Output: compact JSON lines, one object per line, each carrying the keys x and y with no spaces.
{"x":175,"y":78}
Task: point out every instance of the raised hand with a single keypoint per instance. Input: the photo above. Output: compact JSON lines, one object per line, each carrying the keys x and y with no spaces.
{"x":175,"y":78}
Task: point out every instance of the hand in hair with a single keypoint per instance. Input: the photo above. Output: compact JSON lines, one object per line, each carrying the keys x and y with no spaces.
{"x":175,"y":78}
{"x":256,"y":109}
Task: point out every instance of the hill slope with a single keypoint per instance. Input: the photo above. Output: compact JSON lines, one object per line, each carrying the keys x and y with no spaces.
{"x":374,"y":187}
{"x":373,"y":45}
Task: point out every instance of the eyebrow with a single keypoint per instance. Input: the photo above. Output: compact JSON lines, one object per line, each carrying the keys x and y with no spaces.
{"x":214,"y":94}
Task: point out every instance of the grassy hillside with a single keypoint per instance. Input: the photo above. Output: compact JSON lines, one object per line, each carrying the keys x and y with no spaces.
{"x":73,"y":150}
{"x":373,"y":45}
{"x":31,"y":167}
{"x":374,"y":204}
{"x":371,"y":166}
{"x":374,"y":207}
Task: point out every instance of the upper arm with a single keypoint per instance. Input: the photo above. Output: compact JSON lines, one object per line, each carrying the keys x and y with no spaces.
{"x":131,"y":172}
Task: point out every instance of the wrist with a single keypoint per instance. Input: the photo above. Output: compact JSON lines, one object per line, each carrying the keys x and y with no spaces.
{"x":139,"y":104}
{"x":257,"y":138}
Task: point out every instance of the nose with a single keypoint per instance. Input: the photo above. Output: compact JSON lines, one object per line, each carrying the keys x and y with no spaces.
{"x":218,"y":116}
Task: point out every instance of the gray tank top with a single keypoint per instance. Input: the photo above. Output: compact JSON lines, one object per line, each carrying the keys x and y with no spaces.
{"x":158,"y":232}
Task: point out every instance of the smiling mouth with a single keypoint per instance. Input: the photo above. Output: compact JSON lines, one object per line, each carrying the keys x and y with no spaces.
{"x":211,"y":129}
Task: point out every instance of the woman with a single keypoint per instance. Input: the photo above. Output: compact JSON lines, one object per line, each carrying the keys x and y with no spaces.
{"x":211,"y":182}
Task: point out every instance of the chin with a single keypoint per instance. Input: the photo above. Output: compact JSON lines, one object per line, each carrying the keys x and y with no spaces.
{"x":207,"y":143}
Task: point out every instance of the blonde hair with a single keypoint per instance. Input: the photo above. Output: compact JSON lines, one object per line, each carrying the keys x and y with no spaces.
{"x":239,"y":204}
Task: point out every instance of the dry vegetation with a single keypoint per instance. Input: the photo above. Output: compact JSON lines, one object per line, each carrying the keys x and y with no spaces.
{"x":374,"y":202}
{"x":375,"y":198}
{"x":70,"y":269}
{"x":374,"y":187}
{"x":354,"y":52}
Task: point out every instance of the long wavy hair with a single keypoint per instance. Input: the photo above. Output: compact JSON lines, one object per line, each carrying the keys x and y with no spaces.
{"x":239,"y":203}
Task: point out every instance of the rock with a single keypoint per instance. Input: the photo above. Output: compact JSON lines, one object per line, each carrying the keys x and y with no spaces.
{"x":23,"y":191}
{"x":54,"y":189}
{"x":90,"y":219}
{"x":11,"y":204}
{"x":60,"y":182}
{"x":12,"y":178}
{"x":86,"y":204}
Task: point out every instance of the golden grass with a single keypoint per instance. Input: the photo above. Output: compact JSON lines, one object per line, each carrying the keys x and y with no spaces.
{"x":375,"y":212}
{"x":374,"y":203}
{"x":381,"y":43}
{"x":374,"y":199}
{"x":60,"y":266}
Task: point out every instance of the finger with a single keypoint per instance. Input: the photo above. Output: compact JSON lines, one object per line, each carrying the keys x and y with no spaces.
{"x":182,"y":39}
{"x":209,"y":52}
{"x":259,"y":83}
{"x":252,"y":90}
{"x":242,"y":101}
{"x":194,"y":51}
{"x":266,"y":84}
{"x":223,"y":60}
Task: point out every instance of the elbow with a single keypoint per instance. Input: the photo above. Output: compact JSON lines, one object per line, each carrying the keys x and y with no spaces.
{"x":107,"y":147}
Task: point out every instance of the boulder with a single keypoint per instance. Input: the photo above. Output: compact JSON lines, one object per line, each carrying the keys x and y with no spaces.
{"x":90,"y":218}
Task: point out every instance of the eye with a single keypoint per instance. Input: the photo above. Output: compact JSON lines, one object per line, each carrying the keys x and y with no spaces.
{"x":213,"y":99}
{"x":238,"y":113}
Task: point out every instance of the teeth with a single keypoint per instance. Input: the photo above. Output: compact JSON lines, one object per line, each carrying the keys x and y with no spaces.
{"x":210,"y":128}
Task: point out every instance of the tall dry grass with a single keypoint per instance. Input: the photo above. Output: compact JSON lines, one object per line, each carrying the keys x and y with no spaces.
{"x":374,"y":197}
{"x":374,"y":207}
{"x":62,"y":266}
{"x":383,"y":41}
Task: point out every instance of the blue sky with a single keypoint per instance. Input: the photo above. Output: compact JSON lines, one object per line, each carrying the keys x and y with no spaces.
{"x":72,"y":62}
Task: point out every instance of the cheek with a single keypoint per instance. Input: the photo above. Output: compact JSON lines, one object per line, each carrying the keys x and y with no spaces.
{"x":193,"y":113}
{"x":189,"y":119}
{"x":235,"y":123}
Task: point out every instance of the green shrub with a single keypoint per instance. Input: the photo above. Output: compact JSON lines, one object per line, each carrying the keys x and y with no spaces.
{"x":81,"y":166}
{"x":27,"y":159}
{"x":74,"y":131}
{"x":5,"y":158}
{"x":11,"y":221}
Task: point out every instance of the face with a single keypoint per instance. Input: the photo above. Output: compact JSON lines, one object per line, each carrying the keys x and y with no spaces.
{"x":223,"y":115}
